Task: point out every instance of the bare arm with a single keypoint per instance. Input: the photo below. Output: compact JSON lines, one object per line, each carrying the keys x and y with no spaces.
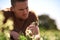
{"x":34,"y":31}
{"x":14,"y":35}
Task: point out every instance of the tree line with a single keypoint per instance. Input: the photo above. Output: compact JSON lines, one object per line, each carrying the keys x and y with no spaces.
{"x":46,"y":22}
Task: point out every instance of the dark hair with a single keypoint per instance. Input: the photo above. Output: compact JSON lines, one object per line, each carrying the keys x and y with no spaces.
{"x":14,"y":1}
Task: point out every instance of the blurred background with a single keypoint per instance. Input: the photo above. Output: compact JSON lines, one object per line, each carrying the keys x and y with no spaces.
{"x":48,"y":12}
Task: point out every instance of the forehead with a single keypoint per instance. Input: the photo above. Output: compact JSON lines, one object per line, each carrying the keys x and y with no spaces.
{"x":21,"y":4}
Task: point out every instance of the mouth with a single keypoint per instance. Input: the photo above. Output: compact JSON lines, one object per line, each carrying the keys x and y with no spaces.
{"x":25,"y":15}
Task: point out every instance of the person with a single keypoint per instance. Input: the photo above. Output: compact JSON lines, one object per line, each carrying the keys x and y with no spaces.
{"x":22,"y":18}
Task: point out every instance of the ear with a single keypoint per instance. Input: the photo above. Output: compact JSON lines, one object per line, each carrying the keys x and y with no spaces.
{"x":12,"y":8}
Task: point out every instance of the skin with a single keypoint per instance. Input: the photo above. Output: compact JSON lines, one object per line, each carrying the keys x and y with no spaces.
{"x":20,"y":10}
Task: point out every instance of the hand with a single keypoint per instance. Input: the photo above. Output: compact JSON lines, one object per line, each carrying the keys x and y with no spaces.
{"x":33,"y":31}
{"x":33,"y":28}
{"x":15,"y":35}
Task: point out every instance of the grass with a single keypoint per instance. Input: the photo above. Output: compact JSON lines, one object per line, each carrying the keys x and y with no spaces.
{"x":49,"y":34}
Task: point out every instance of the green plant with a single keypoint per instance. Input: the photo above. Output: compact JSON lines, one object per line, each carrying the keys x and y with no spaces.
{"x":23,"y":37}
{"x":5,"y":28}
{"x":2,"y":36}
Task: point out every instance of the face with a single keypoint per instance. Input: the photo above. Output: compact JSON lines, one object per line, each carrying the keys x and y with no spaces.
{"x":20,"y":10}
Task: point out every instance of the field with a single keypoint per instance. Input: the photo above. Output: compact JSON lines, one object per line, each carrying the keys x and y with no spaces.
{"x":49,"y":34}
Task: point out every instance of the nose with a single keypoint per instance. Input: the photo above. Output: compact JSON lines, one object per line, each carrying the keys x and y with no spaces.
{"x":25,"y":11}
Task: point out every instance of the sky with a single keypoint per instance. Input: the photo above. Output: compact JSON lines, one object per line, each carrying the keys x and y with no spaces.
{"x":49,"y":7}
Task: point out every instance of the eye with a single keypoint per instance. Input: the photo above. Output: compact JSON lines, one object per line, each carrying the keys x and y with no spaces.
{"x":26,"y":7}
{"x":21,"y":9}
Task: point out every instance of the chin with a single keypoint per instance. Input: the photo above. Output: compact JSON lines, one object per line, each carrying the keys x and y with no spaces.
{"x":25,"y":18}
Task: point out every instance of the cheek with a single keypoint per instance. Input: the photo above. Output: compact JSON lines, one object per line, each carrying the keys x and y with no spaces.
{"x":19,"y":13}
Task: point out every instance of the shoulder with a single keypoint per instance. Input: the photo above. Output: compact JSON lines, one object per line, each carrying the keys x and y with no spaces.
{"x":5,"y":14}
{"x":33,"y":16}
